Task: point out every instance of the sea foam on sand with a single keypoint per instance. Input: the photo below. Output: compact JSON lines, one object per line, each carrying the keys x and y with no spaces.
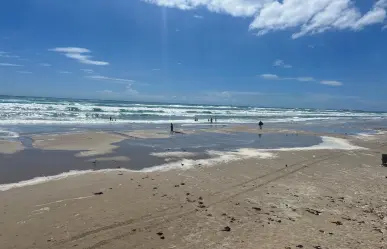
{"x":217,"y":157}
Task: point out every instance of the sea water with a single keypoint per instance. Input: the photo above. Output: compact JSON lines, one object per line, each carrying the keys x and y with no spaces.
{"x":39,"y":115}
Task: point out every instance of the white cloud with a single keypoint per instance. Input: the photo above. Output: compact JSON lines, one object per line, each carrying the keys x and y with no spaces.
{"x":281,"y":63}
{"x":99,"y":77}
{"x":331,"y":82}
{"x":88,"y":70}
{"x":232,"y":7}
{"x":71,"y":50}
{"x":44,"y":64}
{"x":64,"y":72}
{"x":79,"y":54}
{"x":10,"y":65}
{"x":270,"y":76}
{"x":307,"y":16}
{"x":24,"y":72}
{"x":301,"y":79}
{"x":198,"y":17}
{"x":156,"y":69}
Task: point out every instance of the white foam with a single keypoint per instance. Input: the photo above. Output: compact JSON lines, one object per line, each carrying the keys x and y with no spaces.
{"x":217,"y":157}
{"x":328,"y":143}
{"x":43,"y":179}
{"x":8,"y":134}
{"x":368,"y":136}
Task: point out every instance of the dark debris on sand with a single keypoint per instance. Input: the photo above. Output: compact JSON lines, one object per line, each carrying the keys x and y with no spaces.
{"x":98,"y":193}
{"x":313,"y":211}
{"x":226,"y":229}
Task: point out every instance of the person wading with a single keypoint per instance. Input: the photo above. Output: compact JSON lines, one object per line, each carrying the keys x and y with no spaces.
{"x":260,"y":125}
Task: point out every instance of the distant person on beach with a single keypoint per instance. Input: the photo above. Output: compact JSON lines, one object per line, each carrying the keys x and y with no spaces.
{"x":171,"y":128}
{"x":111,"y":119}
{"x":260,"y":125}
{"x":211,"y":120}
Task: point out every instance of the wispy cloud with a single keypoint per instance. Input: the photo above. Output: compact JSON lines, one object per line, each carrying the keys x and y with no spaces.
{"x":64,"y":72}
{"x":24,"y":72}
{"x":106,"y":92}
{"x":117,"y":80}
{"x":156,"y":69}
{"x":302,"y":79}
{"x":10,"y":65}
{"x":281,"y":63}
{"x":79,"y":54}
{"x":306,"y":17}
{"x":229,"y":94}
{"x":45,"y":65}
{"x":198,"y":17}
{"x":331,"y":82}
{"x":88,"y":70}
{"x":8,"y":55}
{"x":269,"y":76}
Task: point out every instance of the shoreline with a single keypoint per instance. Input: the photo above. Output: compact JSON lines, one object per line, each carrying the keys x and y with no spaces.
{"x":168,"y":160}
{"x":313,"y":198}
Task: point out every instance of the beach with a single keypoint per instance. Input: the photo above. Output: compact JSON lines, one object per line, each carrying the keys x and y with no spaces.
{"x":314,"y":190}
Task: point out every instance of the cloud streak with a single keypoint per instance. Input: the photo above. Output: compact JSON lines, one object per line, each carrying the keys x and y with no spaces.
{"x":269,"y":76}
{"x":331,"y":82}
{"x":111,"y":79}
{"x":8,"y":55}
{"x":281,"y":63}
{"x":302,"y":79}
{"x":79,"y":54}
{"x":10,"y":65}
{"x":89,"y":71}
{"x":307,"y":17}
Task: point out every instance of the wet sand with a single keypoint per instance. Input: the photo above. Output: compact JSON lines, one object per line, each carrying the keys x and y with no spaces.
{"x":10,"y":147}
{"x":297,"y":199}
{"x":50,"y":155}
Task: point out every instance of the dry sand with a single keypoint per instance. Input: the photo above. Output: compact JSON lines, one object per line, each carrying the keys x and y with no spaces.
{"x":300,"y":199}
{"x":10,"y":147}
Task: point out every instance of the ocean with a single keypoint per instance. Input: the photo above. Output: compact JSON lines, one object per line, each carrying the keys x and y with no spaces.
{"x":21,"y":114}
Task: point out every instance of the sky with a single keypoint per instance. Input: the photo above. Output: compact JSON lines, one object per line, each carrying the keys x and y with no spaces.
{"x":288,"y":53}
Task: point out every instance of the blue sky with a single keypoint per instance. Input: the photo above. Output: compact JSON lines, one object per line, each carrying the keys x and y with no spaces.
{"x":291,"y":53}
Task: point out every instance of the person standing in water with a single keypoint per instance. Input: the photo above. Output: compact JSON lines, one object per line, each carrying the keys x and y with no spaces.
{"x":171,"y":128}
{"x":260,"y":124}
